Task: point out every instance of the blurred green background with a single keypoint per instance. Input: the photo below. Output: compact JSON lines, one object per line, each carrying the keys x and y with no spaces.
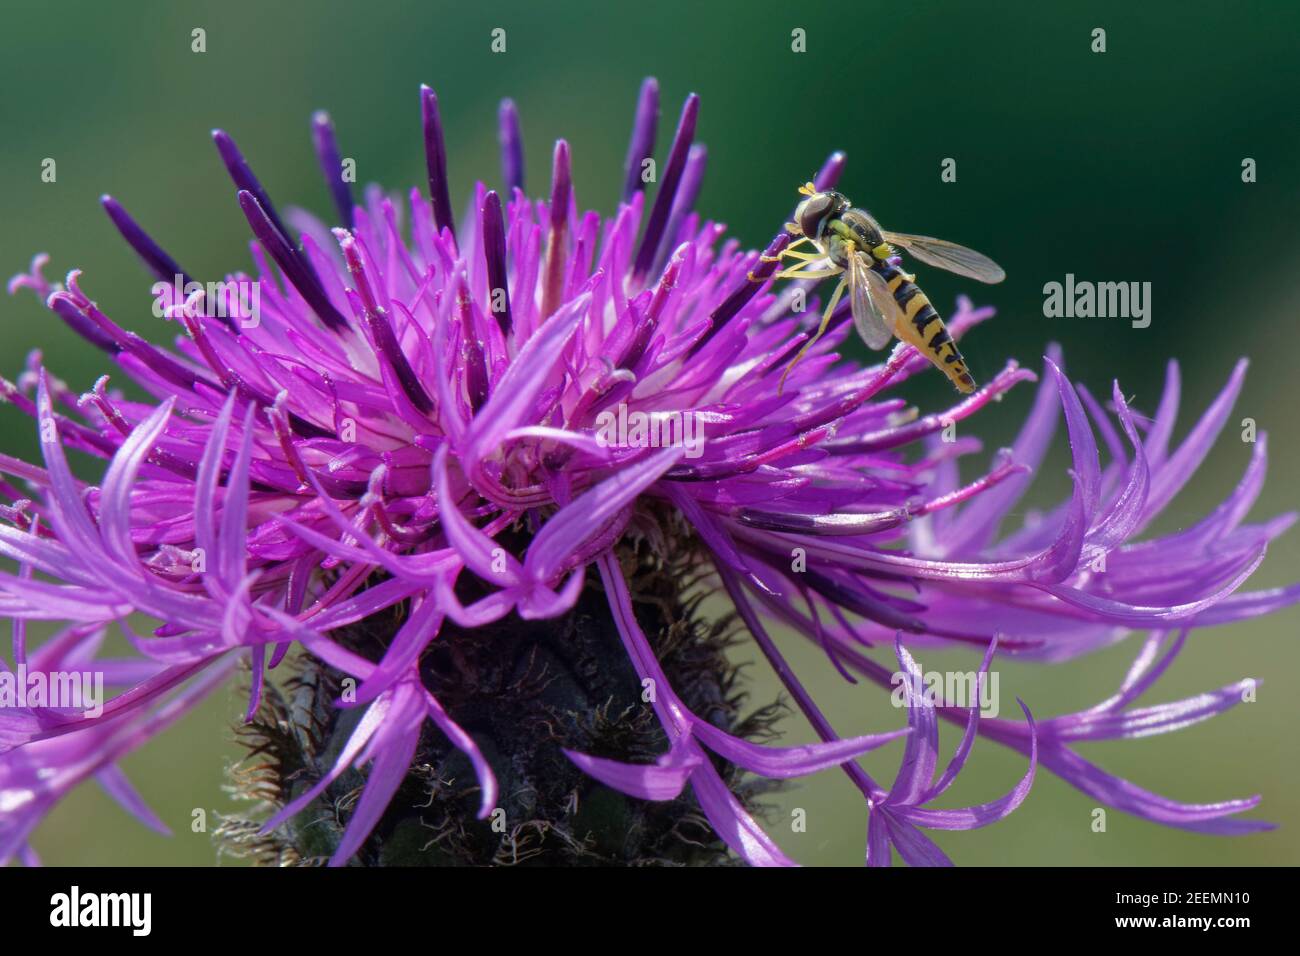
{"x":1115,"y":167}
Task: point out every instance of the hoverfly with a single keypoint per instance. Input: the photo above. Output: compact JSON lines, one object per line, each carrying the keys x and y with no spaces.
{"x":885,"y":300}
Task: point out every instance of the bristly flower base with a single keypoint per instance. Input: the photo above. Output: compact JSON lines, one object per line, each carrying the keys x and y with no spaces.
{"x":525,"y":690}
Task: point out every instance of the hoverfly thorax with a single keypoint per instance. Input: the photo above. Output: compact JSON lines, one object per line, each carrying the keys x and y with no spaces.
{"x":866,"y":232}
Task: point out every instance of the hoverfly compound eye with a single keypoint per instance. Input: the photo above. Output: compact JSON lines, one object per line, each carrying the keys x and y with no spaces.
{"x":813,"y":213}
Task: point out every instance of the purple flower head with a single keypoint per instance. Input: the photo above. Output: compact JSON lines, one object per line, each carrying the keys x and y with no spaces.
{"x":405,"y":443}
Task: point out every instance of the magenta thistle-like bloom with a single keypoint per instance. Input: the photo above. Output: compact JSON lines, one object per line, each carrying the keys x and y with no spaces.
{"x":425,"y":428}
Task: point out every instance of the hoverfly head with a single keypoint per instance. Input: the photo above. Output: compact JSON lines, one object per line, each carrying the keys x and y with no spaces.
{"x":814,"y":212}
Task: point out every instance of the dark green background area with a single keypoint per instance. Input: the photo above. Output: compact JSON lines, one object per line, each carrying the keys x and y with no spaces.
{"x":1122,"y":166}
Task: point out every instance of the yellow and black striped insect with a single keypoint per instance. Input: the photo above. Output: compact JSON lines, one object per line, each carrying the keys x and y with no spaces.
{"x":885,"y":300}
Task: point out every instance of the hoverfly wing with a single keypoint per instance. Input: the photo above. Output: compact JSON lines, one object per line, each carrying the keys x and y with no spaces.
{"x":949,"y":256}
{"x":865,"y":290}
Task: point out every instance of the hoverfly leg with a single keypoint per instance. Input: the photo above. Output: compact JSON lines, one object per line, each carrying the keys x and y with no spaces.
{"x":804,"y":259}
{"x":803,"y":272}
{"x":788,"y":250}
{"x":800,"y":271}
{"x":821,"y":330}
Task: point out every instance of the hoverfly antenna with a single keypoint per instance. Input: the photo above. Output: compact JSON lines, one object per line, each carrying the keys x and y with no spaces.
{"x":808,"y":189}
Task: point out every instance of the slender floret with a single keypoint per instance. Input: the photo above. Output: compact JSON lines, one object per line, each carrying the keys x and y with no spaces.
{"x":406,"y":435}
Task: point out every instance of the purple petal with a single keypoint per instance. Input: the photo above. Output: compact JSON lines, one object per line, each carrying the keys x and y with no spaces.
{"x":662,"y":780}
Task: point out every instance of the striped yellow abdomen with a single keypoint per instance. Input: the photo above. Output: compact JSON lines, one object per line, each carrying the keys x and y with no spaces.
{"x":918,"y":324}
